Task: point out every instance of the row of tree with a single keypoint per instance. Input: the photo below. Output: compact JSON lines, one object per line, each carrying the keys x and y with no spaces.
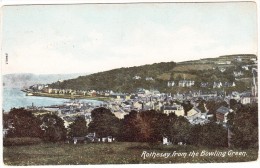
{"x":145,"y":126}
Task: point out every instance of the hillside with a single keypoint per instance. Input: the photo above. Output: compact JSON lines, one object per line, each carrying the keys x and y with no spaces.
{"x":121,"y":80}
{"x":156,"y":76}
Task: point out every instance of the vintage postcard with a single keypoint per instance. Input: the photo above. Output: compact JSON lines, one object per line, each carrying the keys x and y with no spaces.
{"x":129,"y":83}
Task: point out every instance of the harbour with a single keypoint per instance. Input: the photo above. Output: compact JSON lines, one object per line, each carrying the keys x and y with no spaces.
{"x":16,"y":98}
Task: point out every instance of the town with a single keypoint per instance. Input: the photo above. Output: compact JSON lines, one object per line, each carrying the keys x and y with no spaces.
{"x":129,"y":83}
{"x":121,"y":104}
{"x":199,"y":102}
{"x":183,"y":111}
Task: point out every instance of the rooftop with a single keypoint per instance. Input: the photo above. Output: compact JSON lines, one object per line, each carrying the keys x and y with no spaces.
{"x":223,"y":110}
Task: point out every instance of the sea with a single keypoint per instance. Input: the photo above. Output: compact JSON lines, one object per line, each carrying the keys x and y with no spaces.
{"x":15,"y":98}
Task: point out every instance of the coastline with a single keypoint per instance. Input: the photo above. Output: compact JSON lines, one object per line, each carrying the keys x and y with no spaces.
{"x":63,"y":96}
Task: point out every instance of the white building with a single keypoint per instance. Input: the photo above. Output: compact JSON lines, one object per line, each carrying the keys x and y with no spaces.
{"x":149,"y":79}
{"x":177,"y":109}
{"x":186,"y":83}
{"x":136,"y":77}
{"x":170,"y":83}
{"x":217,"y":84}
{"x":245,"y":100}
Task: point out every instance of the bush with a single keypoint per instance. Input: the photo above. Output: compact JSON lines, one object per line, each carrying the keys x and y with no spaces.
{"x":21,"y":141}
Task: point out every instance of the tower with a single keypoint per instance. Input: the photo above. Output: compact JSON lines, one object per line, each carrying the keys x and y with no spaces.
{"x":254,"y":83}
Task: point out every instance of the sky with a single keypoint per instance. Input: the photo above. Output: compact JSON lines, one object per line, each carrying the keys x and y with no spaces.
{"x":89,"y":38}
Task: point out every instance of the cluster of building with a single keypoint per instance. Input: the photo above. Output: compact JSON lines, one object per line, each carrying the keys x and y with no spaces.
{"x":146,"y":78}
{"x":181,"y":83}
{"x":190,"y":83}
{"x":122,"y":104}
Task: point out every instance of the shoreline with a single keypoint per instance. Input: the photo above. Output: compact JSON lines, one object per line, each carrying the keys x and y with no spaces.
{"x":62,"y":96}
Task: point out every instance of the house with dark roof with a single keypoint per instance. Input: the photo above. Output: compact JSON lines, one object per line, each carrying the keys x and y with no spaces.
{"x":177,"y":109}
{"x":221,"y":114}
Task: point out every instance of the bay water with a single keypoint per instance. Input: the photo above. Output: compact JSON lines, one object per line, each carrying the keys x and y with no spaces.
{"x":14,"y":97}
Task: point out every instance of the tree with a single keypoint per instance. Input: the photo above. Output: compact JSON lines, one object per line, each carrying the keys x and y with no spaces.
{"x":5,"y":120}
{"x":214,"y":78}
{"x":234,"y":105}
{"x":151,"y":125}
{"x":178,"y":129}
{"x":201,"y":106}
{"x":171,"y":76}
{"x":187,"y":106}
{"x":145,"y":126}
{"x":144,"y":123}
{"x":214,"y":135}
{"x":195,"y":135}
{"x":160,"y":126}
{"x":129,"y":130}
{"x":24,"y":124}
{"x":243,"y":124}
{"x":178,"y":78}
{"x":210,"y":135}
{"x":78,"y":128}
{"x":172,"y":131}
{"x":104,"y":123}
{"x":54,"y":129}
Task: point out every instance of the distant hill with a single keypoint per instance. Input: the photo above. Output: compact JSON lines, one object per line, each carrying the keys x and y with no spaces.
{"x":156,"y":76}
{"x":122,"y":79}
{"x":27,"y":79}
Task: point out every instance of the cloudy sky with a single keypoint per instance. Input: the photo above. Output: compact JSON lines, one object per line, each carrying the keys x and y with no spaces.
{"x":45,"y":39}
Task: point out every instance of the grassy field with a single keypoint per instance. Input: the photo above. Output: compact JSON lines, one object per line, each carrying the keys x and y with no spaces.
{"x":167,"y":76}
{"x":116,"y":153}
{"x":193,"y":67}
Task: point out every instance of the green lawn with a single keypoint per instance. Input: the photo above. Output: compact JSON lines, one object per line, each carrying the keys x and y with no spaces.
{"x":112,"y":153}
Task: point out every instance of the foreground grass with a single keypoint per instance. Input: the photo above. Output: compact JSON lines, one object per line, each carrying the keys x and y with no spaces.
{"x":110,"y":153}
